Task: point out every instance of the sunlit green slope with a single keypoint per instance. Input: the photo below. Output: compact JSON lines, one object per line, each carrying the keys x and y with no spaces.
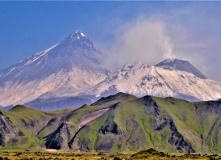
{"x":118,"y":123}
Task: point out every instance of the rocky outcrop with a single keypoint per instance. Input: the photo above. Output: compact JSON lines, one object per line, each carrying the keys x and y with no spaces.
{"x":109,"y":133}
{"x":81,"y":140}
{"x":8,"y":131}
{"x":153,"y":108}
{"x":178,"y":141}
{"x":28,"y":125}
{"x":160,"y":123}
{"x":60,"y":138}
{"x":136,"y":138}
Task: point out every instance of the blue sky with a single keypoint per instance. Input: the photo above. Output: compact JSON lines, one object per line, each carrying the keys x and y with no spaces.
{"x":130,"y":31}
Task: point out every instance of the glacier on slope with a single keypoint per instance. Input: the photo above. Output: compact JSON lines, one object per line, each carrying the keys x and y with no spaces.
{"x":142,"y":79}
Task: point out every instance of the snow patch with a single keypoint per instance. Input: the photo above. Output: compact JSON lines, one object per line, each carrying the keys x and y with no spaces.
{"x":83,"y":35}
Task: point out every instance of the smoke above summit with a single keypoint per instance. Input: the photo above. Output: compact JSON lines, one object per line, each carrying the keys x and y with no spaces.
{"x":146,"y":41}
{"x":155,"y":39}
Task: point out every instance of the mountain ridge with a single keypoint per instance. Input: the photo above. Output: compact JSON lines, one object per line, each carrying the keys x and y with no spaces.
{"x":120,"y":122}
{"x":74,"y":72}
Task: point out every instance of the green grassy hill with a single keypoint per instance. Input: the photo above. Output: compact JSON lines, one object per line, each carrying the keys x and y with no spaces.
{"x":118,"y":123}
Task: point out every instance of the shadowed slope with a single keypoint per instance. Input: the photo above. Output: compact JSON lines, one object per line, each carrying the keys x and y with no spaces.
{"x":121,"y":122}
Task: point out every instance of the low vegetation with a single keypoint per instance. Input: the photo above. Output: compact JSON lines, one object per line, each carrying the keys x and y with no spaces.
{"x":144,"y":154}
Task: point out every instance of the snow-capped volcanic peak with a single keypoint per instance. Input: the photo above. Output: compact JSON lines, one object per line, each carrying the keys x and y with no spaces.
{"x":142,"y":79}
{"x":77,"y":40}
{"x":72,"y":65}
{"x":77,"y":35}
{"x":76,"y":68}
{"x":176,"y":64}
